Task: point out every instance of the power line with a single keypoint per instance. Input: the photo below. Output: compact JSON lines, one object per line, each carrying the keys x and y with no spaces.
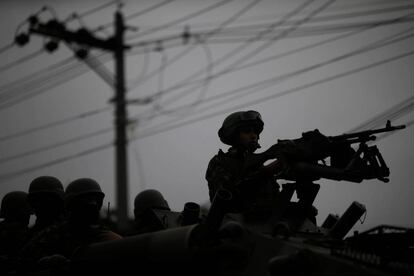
{"x":73,"y":73}
{"x":182,"y":19}
{"x":55,"y":145}
{"x":359,"y":7}
{"x":96,"y":9}
{"x":192,"y":47}
{"x":139,"y":13}
{"x":373,"y":24}
{"x":21,"y":60}
{"x":154,"y":131}
{"x":294,"y":51}
{"x":255,"y":51}
{"x":50,"y":81}
{"x":248,"y":29}
{"x":6,"y":47}
{"x":204,"y":88}
{"x":14,"y":174}
{"x":204,"y":117}
{"x":53,"y":124}
{"x":377,"y":44}
{"x":392,"y":113}
{"x":318,"y":30}
{"x":85,"y":71}
{"x":30,"y":86}
{"x":240,"y":48}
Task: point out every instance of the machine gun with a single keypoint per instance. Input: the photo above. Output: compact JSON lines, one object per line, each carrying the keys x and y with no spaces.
{"x":315,"y":156}
{"x":306,"y":156}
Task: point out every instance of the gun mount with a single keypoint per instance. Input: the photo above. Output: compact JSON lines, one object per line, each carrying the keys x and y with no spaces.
{"x":307,"y":156}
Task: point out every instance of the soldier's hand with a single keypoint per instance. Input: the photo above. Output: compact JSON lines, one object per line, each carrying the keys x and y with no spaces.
{"x":274,"y":168}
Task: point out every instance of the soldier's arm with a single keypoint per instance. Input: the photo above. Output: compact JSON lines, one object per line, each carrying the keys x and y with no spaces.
{"x":219,"y":176}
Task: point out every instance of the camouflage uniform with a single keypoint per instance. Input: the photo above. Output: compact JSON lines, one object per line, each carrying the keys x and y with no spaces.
{"x":64,"y":239}
{"x":253,"y":189}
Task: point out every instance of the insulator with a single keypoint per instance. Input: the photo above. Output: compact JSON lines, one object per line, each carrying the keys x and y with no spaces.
{"x":21,"y":39}
{"x":33,"y":20}
{"x":81,"y":53}
{"x":51,"y":46}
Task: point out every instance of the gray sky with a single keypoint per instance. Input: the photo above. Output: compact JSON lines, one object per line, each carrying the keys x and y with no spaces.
{"x":330,"y":65}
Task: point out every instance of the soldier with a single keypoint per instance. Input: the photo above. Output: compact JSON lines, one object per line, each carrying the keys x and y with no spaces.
{"x":15,"y":212}
{"x":144,"y":202}
{"x":46,"y":198}
{"x":56,"y":244}
{"x":252,"y":184}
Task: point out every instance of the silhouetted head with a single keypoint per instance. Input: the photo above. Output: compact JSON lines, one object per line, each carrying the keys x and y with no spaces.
{"x":242,"y":129}
{"x":15,"y":207}
{"x":46,"y":197}
{"x":83,"y":201}
{"x":149,"y":199}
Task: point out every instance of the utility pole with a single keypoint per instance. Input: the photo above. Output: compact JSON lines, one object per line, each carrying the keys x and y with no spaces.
{"x":121,"y":123}
{"x":57,"y":31}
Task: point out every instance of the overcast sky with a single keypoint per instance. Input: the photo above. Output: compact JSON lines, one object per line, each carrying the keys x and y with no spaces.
{"x":330,"y":65}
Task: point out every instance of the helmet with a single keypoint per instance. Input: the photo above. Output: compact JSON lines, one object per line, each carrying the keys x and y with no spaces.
{"x":149,"y":199}
{"x":46,"y":184}
{"x":82,"y":186}
{"x":236,"y":120}
{"x":14,"y":204}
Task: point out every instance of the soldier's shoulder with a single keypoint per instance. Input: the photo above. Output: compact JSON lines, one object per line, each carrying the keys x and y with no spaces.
{"x":219,"y":157}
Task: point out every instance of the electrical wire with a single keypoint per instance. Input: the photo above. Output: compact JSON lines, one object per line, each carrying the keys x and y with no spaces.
{"x":250,"y":88}
{"x":77,"y":74}
{"x":50,"y":81}
{"x":248,"y":29}
{"x":10,"y":175}
{"x":14,"y":87}
{"x":359,"y":7}
{"x":257,"y":50}
{"x":315,"y":31}
{"x":144,"y":70}
{"x":179,"y":20}
{"x":295,"y":51}
{"x":139,"y":13}
{"x":204,"y":88}
{"x":55,"y":145}
{"x":7,"y":47}
{"x":392,"y":113}
{"x":54,"y":123}
{"x":238,"y":49}
{"x":154,"y":130}
{"x":94,"y":10}
{"x":21,"y":60}
{"x":30,"y":86}
{"x":192,"y":47}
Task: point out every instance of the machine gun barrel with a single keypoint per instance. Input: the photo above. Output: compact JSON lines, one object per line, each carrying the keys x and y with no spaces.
{"x":364,"y":136}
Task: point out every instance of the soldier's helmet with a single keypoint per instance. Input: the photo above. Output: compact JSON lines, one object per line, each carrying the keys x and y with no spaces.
{"x":149,"y":199}
{"x":45,"y":185}
{"x":14,"y":205}
{"x":80,"y":187}
{"x":234,"y":121}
